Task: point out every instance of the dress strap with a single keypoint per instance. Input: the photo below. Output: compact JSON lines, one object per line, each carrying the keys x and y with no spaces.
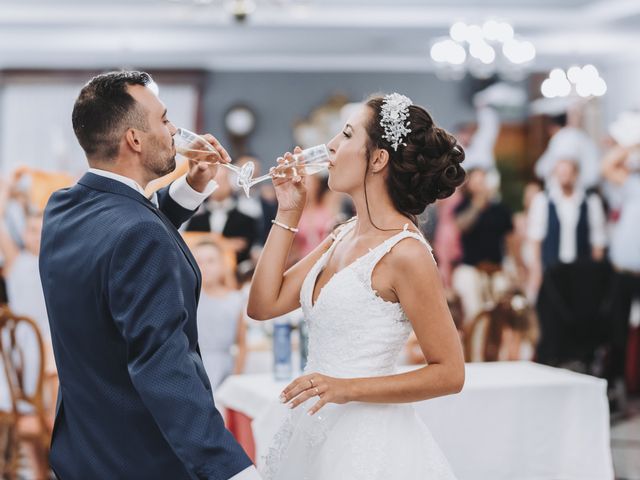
{"x":341,"y":230}
{"x":385,"y":247}
{"x":338,"y":234}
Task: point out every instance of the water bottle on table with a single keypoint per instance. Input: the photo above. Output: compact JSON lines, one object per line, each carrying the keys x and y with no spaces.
{"x":282,"y":364}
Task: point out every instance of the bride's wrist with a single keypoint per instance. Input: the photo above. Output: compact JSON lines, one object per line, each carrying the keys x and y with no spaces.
{"x":351,"y":389}
{"x":288,"y":217}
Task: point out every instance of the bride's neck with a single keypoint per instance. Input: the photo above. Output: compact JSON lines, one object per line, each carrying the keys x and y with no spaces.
{"x":381,"y":213}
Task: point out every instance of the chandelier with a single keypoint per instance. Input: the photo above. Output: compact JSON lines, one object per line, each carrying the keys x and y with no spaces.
{"x":584,"y":82}
{"x":482,"y":50}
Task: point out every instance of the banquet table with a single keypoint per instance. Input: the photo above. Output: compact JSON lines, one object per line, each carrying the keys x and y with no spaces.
{"x":512,"y":421}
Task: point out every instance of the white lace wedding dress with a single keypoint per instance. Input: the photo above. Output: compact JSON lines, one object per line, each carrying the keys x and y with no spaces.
{"x":354,"y":333}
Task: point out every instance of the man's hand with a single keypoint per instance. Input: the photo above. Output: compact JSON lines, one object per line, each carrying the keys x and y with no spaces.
{"x":202,"y":170}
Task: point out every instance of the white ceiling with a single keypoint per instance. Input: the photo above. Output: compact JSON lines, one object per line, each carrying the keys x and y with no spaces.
{"x":316,"y":35}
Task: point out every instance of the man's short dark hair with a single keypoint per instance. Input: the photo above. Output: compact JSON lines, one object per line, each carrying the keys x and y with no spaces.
{"x":104,"y":110}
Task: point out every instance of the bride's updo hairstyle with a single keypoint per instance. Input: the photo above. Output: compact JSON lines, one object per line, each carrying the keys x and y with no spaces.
{"x":424,"y":164}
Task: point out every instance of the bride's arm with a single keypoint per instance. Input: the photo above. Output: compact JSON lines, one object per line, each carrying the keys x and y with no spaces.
{"x":417,"y":285}
{"x":275,"y":292}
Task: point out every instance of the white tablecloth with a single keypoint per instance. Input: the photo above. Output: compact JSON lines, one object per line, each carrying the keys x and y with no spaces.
{"x":512,"y":421}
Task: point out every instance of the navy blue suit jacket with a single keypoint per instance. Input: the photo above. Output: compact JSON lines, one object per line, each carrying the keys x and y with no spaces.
{"x":121,"y":289}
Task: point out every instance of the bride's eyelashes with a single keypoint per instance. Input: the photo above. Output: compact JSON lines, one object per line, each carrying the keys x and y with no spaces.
{"x":348,"y":135}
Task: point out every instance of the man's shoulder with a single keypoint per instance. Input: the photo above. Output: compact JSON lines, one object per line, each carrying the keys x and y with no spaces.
{"x":116,"y":213}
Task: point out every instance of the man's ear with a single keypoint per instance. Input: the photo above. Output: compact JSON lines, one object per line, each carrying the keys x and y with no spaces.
{"x":379,"y":160}
{"x":133,"y":139}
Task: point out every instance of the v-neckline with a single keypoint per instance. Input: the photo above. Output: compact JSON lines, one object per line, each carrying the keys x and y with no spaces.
{"x":325,"y":258}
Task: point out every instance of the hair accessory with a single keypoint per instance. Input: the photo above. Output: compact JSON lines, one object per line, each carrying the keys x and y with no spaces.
{"x":394,"y":113}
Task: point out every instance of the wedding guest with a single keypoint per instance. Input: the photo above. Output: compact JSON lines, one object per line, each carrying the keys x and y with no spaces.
{"x":486,"y":226}
{"x":221,"y":327}
{"x":318,"y":219}
{"x":622,"y":168}
{"x":520,"y":265}
{"x":220,"y":214}
{"x":567,"y":230}
{"x":565,"y":224}
{"x":24,"y":292}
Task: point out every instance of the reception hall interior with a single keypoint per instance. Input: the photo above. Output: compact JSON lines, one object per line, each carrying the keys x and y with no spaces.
{"x":537,"y":251}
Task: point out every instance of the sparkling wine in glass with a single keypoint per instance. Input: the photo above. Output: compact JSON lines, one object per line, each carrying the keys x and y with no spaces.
{"x":307,"y":162}
{"x":194,"y":147}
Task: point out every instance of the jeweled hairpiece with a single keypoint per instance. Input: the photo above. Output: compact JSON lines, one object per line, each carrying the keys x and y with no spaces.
{"x":394,"y":114}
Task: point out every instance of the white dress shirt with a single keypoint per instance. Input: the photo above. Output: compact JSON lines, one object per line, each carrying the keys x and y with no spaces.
{"x":219,"y":213}
{"x":180,"y":191}
{"x":568,"y":210}
{"x":190,"y":199}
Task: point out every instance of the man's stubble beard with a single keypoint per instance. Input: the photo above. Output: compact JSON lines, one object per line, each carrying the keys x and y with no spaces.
{"x":160,"y":162}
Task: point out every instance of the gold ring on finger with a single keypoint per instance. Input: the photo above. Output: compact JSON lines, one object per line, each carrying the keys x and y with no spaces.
{"x":311,"y":381}
{"x":317,"y":392}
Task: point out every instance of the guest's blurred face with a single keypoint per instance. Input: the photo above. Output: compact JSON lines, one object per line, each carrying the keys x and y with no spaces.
{"x":224,"y":189}
{"x":211,"y":263}
{"x":158,"y":153}
{"x":349,"y":153}
{"x":566,"y":173}
{"x":477,"y":182}
{"x":32,"y":233}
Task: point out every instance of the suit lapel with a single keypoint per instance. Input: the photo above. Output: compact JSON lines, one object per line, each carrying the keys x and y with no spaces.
{"x":104,"y":184}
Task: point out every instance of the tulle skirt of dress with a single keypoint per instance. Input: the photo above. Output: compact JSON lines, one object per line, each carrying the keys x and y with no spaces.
{"x":356,"y":441}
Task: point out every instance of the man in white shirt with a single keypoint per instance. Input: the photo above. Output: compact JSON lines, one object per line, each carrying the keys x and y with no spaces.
{"x":621,"y":167}
{"x":566,"y":227}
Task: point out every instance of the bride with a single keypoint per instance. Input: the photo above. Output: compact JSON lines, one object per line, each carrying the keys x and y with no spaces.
{"x":362,"y":291}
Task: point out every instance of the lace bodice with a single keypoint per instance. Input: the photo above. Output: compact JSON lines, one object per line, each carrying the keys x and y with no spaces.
{"x":352,"y":331}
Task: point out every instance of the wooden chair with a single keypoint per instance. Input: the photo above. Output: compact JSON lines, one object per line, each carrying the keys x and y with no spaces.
{"x":33,"y":424}
{"x":8,"y":446}
{"x":500,"y":333}
{"x":42,"y":184}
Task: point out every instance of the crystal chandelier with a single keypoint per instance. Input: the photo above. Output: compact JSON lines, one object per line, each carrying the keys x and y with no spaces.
{"x":584,"y":82}
{"x":482,"y":51}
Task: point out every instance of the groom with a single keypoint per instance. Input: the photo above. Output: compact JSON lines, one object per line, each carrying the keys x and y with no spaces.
{"x":122,"y":289}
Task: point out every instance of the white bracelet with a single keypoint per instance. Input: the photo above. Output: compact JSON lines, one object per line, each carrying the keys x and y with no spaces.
{"x":286,"y":227}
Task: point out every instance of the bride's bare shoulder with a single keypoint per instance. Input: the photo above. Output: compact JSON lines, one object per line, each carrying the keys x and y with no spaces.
{"x":412,"y":253}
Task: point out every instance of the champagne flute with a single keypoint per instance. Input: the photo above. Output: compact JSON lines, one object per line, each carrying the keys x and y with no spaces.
{"x":194,"y":147}
{"x":307,"y":162}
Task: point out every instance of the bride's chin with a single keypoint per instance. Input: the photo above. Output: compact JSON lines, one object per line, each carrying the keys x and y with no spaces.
{"x":332,"y":186}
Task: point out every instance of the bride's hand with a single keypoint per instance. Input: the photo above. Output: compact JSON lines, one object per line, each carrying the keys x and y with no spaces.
{"x":290,"y":192}
{"x":328,"y":389}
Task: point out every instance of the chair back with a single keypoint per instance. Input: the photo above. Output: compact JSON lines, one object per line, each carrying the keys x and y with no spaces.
{"x":8,"y":446}
{"x":17,"y":334}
